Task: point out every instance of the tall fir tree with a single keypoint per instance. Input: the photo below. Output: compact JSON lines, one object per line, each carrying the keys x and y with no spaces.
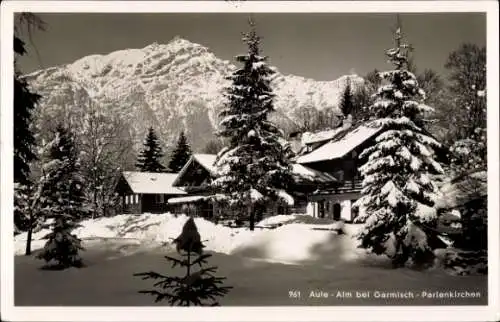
{"x":347,"y":101}
{"x":149,"y":158}
{"x":25,"y":102}
{"x":254,"y":166}
{"x":397,"y":186}
{"x":181,"y":154}
{"x":63,"y":200}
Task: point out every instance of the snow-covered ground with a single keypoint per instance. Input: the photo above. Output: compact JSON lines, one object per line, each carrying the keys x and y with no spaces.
{"x":292,"y":242}
{"x":289,"y":239}
{"x":263,"y":266}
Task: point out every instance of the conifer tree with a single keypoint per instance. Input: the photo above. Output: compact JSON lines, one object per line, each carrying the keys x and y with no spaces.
{"x":254,"y":165}
{"x":63,"y":200}
{"x":396,"y":181}
{"x":346,"y":102}
{"x":197,"y":287}
{"x":25,"y":102}
{"x":24,"y":142}
{"x":181,"y":154}
{"x":149,"y":158}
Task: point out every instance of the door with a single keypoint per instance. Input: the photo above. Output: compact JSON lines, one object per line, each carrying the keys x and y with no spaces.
{"x":336,"y":211}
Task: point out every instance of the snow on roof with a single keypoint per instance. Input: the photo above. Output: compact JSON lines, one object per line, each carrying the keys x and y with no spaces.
{"x":154,"y":183}
{"x":207,"y":161}
{"x":286,"y":197}
{"x":254,"y":195}
{"x":339,"y":148}
{"x":307,"y":173}
{"x":309,"y":138}
{"x":186,"y":199}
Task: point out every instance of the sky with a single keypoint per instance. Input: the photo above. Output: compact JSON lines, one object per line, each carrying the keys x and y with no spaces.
{"x":322,"y":46}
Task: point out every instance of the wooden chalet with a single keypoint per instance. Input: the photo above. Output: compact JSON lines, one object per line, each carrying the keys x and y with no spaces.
{"x":326,"y":179}
{"x":194,"y":179}
{"x":336,"y":152}
{"x":146,"y":192}
{"x":196,"y":176}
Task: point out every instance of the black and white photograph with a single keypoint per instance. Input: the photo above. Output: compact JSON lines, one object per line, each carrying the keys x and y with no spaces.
{"x":158,"y":155}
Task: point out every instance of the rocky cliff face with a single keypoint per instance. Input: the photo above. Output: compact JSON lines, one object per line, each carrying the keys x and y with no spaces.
{"x":172,"y":87}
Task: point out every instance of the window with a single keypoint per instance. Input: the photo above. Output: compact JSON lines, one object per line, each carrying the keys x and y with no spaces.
{"x":136,"y":199}
{"x":127,"y":200}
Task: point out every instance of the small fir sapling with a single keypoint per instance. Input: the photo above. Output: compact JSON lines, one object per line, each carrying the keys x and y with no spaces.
{"x":197,"y":287}
{"x":62,"y":246}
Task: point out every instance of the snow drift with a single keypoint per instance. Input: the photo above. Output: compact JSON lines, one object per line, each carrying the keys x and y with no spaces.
{"x":292,"y":242}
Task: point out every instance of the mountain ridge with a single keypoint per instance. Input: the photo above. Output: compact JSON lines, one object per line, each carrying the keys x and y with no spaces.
{"x":172,"y":87}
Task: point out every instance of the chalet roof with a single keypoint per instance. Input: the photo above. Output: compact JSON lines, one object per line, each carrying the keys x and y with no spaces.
{"x":254,"y":194}
{"x":207,"y":161}
{"x":303,"y":172}
{"x":341,"y":145}
{"x":153,"y":183}
{"x":188,"y":199}
{"x":321,"y":136}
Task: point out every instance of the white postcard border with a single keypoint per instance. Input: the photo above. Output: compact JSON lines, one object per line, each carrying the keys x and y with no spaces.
{"x":373,"y":313}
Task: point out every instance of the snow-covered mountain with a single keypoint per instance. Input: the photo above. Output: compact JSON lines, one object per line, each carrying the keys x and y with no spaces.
{"x":172,"y":87}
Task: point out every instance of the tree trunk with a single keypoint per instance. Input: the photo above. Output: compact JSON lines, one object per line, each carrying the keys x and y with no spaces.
{"x":30,"y":233}
{"x":252,"y":217}
{"x":401,"y":257}
{"x":95,"y":204}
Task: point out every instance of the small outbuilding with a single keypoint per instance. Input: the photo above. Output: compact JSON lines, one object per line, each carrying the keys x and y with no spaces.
{"x":146,"y":192}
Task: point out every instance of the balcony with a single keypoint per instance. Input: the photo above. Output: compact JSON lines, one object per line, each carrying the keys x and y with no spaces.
{"x":354,"y":185}
{"x":346,"y":186}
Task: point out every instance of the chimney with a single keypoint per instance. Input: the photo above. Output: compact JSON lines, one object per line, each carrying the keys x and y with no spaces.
{"x":295,"y":139}
{"x":347,"y":122}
